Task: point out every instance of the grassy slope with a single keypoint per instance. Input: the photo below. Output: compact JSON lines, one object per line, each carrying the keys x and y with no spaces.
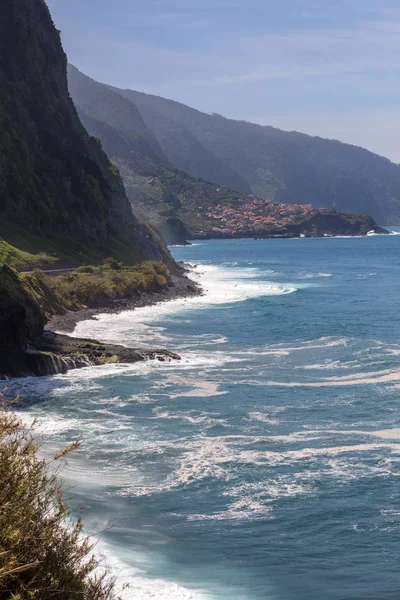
{"x":97,"y":286}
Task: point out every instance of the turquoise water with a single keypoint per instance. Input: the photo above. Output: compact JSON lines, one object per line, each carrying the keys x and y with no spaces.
{"x":264,"y":465}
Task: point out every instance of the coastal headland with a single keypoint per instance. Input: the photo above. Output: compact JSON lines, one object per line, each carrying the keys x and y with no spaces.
{"x":33,"y":307}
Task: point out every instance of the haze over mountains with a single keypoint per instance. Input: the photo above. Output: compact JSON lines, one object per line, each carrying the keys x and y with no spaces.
{"x":276,"y":165}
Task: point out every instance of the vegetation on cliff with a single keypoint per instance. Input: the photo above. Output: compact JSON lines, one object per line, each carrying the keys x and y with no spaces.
{"x":59,"y":193}
{"x":43,"y":554}
{"x":92,"y":286}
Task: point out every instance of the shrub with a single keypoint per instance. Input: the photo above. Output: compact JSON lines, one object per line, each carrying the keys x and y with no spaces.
{"x":112,"y":263}
{"x":96,"y":286}
{"x":87,"y":269}
{"x":42,"y":552}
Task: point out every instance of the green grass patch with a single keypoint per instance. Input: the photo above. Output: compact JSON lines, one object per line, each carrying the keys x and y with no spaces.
{"x":94,"y":286}
{"x":14,"y":257}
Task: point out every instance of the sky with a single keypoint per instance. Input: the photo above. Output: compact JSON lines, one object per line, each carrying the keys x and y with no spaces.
{"x":324,"y":67}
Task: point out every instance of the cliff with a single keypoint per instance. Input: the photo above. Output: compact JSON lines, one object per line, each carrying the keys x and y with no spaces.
{"x":59,"y":194}
{"x":21,"y":320}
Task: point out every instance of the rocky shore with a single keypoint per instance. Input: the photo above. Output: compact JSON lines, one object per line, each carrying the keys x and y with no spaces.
{"x":180,"y":286}
{"x":31,"y":346}
{"x":54,"y":353}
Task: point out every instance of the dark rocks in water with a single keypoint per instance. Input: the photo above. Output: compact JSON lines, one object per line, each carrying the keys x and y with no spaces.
{"x":21,"y":320}
{"x":64,"y":353}
{"x":25,"y":349}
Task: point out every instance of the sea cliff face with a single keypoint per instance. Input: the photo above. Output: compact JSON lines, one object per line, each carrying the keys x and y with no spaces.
{"x":21,"y":320}
{"x":59,"y":193}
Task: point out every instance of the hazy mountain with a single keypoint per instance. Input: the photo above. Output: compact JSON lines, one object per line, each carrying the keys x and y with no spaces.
{"x":180,"y":205}
{"x":277,"y":165}
{"x":58,"y":191}
{"x":158,"y":192}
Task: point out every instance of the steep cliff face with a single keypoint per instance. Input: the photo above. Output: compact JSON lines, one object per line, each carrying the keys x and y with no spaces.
{"x":21,"y":320}
{"x":58,"y":191}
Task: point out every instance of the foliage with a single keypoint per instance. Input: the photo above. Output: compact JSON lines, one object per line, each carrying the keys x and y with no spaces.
{"x":17,"y":258}
{"x":42,"y":552}
{"x":94,"y":286}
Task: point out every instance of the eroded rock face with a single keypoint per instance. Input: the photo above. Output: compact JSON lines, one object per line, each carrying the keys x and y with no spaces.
{"x":25,"y":349}
{"x":75,"y":353}
{"x":21,"y":320}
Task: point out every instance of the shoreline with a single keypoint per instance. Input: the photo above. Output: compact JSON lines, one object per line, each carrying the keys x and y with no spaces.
{"x":181,"y":286}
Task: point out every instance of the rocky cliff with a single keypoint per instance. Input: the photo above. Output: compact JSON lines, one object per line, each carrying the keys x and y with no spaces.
{"x":59,"y":194}
{"x":21,"y":320}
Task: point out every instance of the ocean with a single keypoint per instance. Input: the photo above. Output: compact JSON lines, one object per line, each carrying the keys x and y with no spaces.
{"x":265,"y":464}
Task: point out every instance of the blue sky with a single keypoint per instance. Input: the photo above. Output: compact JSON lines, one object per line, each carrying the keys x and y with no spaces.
{"x":325,"y":67}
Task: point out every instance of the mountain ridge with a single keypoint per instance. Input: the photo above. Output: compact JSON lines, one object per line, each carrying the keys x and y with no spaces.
{"x":180,"y":204}
{"x":286,"y":166}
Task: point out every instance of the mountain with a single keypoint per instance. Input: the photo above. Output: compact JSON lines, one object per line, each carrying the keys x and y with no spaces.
{"x":276,"y":165}
{"x":158,"y":192}
{"x":181,"y":205}
{"x":59,"y":194}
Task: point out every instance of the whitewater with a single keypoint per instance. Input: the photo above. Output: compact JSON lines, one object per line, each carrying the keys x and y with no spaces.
{"x":264,"y":464}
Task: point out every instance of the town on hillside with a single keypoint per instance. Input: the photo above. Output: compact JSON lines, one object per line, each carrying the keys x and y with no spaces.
{"x":253,"y":215}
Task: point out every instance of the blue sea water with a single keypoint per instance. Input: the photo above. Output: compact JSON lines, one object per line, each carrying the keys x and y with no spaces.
{"x":265,"y":464}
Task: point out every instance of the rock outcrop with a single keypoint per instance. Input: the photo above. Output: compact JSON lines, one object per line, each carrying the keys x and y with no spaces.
{"x":21,"y":320}
{"x":26,"y":349}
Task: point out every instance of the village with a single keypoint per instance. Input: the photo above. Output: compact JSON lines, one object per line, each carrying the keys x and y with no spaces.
{"x":253,"y":215}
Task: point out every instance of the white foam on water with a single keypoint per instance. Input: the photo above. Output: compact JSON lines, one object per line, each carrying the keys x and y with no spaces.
{"x":271,"y":490}
{"x":347,"y":380}
{"x":199,"y":388}
{"x":384,"y":434}
{"x":140,"y":587}
{"x":313,"y":275}
{"x":221,"y":286}
{"x":262,"y":418}
{"x":286,"y":349}
{"x":192,"y":416}
{"x":241,"y":509}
